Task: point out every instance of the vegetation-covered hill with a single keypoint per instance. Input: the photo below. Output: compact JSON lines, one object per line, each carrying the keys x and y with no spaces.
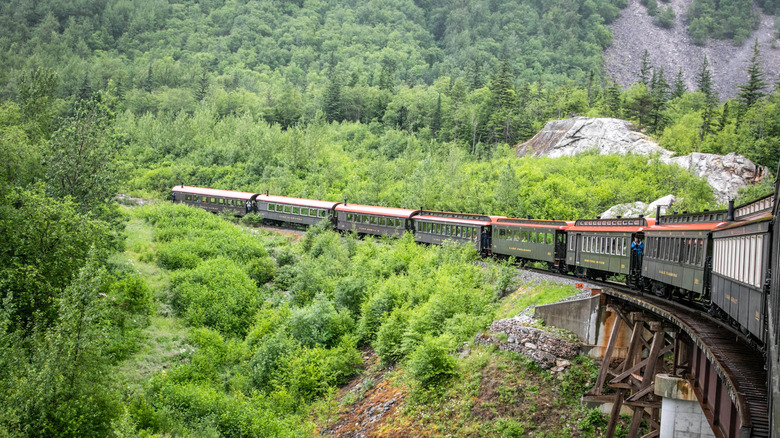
{"x":169,"y":321}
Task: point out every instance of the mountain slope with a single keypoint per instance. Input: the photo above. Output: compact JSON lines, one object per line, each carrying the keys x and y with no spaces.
{"x":634,"y":32}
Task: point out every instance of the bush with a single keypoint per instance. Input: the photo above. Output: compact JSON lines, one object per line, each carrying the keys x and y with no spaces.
{"x":217,"y":294}
{"x":388,"y":343}
{"x":430,"y":363}
{"x":261,"y":270}
{"x":269,"y":357}
{"x":319,"y":323}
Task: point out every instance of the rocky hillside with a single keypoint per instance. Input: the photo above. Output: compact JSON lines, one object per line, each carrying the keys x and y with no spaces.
{"x":724,"y":173}
{"x":634,"y":32}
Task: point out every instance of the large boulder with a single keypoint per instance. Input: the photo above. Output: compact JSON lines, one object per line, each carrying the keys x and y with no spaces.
{"x":568,"y":137}
{"x":634,"y":209}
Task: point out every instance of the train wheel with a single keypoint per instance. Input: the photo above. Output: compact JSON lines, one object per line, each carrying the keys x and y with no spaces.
{"x":660,"y":290}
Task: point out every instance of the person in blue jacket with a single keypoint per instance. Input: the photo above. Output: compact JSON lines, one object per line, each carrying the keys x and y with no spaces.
{"x":638,"y":246}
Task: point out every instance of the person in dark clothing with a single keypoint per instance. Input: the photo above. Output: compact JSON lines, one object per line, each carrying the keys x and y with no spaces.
{"x":173,"y":197}
{"x":485,"y":241}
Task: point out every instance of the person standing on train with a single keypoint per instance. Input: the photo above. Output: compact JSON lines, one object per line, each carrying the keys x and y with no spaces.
{"x":638,"y":248}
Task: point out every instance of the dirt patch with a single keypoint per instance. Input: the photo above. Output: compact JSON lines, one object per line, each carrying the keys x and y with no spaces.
{"x":366,"y":403}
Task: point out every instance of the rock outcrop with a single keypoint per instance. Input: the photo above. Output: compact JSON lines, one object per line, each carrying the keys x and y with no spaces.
{"x":724,"y":173}
{"x":544,"y":348}
{"x":634,"y":209}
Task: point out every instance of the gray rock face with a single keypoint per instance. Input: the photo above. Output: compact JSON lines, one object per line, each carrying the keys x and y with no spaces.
{"x":568,"y":137}
{"x":634,"y":209}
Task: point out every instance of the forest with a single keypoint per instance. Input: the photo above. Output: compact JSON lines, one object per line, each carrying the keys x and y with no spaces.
{"x":156,"y":320}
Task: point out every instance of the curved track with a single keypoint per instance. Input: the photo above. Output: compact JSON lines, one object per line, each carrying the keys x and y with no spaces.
{"x":740,"y":366}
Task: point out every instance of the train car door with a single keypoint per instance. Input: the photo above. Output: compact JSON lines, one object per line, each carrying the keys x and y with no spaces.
{"x":577,"y":248}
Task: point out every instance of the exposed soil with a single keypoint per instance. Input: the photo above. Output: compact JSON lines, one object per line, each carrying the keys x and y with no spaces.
{"x":634,"y":32}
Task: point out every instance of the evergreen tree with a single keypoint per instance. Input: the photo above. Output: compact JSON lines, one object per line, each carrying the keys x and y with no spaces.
{"x":612,"y":99}
{"x":387,"y":75}
{"x":660,"y":97}
{"x":436,"y":118}
{"x":148,"y":81}
{"x":704,"y":82}
{"x":332,"y":100}
{"x":645,"y":69}
{"x":85,"y":91}
{"x":753,"y":91}
{"x":36,"y":91}
{"x":474,"y":74}
{"x":201,"y":86}
{"x":502,"y":103}
{"x":724,"y":116}
{"x":679,"y":85}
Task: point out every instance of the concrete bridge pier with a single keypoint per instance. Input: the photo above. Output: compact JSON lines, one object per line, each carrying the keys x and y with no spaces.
{"x":681,"y":413}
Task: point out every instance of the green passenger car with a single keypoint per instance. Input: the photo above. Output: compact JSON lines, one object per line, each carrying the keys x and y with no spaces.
{"x":531,"y":240}
{"x":600,"y":248}
{"x":677,"y":251}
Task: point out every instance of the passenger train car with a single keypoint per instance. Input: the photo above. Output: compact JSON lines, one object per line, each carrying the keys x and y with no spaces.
{"x":677,"y":253}
{"x":600,"y":248}
{"x":531,"y":240}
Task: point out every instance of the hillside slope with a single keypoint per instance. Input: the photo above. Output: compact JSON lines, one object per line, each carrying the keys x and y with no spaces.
{"x":634,"y":32}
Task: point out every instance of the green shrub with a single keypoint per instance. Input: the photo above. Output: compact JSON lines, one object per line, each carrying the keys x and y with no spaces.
{"x":261,"y":270}
{"x":430,"y":363}
{"x":390,"y":336}
{"x":319,"y":323}
{"x":269,"y":357}
{"x":349,"y":294}
{"x":216,"y":294}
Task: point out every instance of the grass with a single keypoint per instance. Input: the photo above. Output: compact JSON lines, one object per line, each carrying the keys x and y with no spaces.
{"x":533,"y":294}
{"x":163,"y":342}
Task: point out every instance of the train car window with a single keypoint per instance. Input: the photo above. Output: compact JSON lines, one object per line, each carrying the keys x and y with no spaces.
{"x":524,"y":236}
{"x":221,"y":201}
{"x":229,"y":202}
{"x":213,"y":200}
{"x":372,"y":220}
{"x":383,"y":221}
{"x":279,"y":207}
{"x":759,"y":254}
{"x":349,"y":217}
{"x":571,"y":244}
{"x":313,"y":212}
{"x":458,"y":231}
{"x":743,"y":246}
{"x":304,"y":211}
{"x":296,"y":210}
{"x":188,"y":197}
{"x":323,"y":213}
{"x":287,"y":208}
{"x":502,"y":233}
{"x":549,"y":237}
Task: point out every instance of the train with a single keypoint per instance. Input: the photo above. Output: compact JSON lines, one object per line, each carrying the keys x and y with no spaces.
{"x":721,"y":259}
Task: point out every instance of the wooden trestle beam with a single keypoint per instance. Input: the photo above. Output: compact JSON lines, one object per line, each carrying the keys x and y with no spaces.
{"x":630,"y":381}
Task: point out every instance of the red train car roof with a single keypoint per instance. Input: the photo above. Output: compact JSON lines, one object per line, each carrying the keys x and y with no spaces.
{"x":297,"y":201}
{"x":372,"y":209}
{"x":701,"y":226}
{"x":213,"y":192}
{"x":535,"y":223}
{"x":452,"y":220}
